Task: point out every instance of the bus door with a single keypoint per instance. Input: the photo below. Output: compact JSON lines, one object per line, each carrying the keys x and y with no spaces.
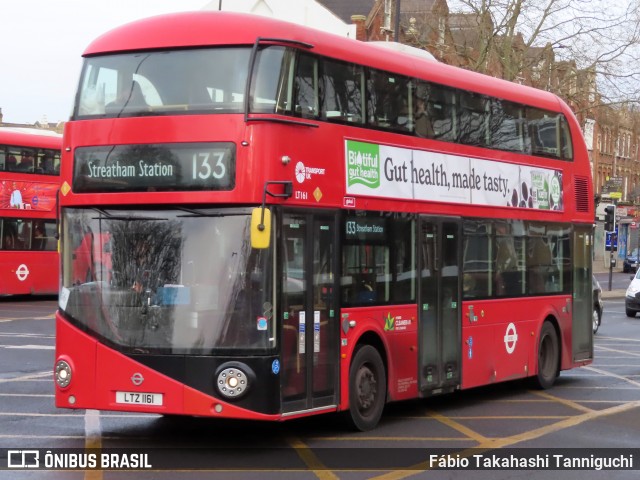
{"x":582,"y":328}
{"x":309,"y":316}
{"x":439,"y":304}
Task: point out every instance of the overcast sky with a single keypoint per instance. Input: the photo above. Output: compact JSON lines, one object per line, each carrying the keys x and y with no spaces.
{"x":41,"y":43}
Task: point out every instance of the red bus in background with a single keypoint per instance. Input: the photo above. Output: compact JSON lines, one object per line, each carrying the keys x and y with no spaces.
{"x":29,"y":181}
{"x":297,"y":223}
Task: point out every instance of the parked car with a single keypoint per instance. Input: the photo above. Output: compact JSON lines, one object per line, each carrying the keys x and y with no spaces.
{"x":632,"y":297}
{"x":630,"y":263}
{"x":598,"y":306}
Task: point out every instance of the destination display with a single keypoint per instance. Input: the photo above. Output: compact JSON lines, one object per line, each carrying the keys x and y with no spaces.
{"x":154,"y":167}
{"x":365,"y":229}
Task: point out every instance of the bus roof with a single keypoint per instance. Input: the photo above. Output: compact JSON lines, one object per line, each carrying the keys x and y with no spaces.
{"x":206,"y":28}
{"x":30,"y":137}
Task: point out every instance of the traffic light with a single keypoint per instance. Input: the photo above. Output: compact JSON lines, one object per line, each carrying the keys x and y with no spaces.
{"x":610,"y":218}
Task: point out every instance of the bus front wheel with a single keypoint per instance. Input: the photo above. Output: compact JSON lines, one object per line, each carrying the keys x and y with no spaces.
{"x":367,"y":388}
{"x":548,"y":357}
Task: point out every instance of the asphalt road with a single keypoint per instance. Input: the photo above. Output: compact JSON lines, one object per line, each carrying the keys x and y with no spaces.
{"x":613,"y":285}
{"x":597,"y":406}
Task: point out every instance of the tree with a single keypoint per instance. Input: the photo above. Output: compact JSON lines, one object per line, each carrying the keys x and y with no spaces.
{"x":528,"y":40}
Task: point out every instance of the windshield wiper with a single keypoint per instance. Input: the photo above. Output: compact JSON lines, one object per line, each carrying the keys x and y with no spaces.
{"x":197,"y":213}
{"x":124,"y":217}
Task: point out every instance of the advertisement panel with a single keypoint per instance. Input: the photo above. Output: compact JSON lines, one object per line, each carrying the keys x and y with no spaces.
{"x":408,"y":174}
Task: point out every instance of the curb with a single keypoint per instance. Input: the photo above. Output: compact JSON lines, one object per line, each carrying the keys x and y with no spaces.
{"x":610,"y":294}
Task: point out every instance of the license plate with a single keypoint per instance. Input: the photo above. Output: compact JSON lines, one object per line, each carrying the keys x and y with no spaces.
{"x":139,"y":398}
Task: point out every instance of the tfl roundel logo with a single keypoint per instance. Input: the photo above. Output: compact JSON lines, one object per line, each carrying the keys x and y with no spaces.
{"x":22,"y":272}
{"x":300,"y":172}
{"x":510,"y":338}
{"x":137,"y":379}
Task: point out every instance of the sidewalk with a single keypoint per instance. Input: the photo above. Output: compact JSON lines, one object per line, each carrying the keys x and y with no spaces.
{"x":613,"y":293}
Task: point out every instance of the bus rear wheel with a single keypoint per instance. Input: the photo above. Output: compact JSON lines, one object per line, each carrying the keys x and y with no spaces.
{"x":548,"y":357}
{"x":367,"y":388}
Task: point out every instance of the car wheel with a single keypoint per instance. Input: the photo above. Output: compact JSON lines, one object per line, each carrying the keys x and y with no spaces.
{"x":630,"y":313}
{"x":596,"y":319}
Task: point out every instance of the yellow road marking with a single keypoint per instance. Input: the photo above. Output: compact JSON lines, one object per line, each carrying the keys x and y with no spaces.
{"x":310,"y":459}
{"x":395,"y":439}
{"x":467,"y":432}
{"x":496,"y":417}
{"x":492,"y":444}
{"x":563,"y":401}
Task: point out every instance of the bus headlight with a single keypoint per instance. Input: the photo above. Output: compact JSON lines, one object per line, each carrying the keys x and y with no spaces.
{"x":232,"y":381}
{"x":62,"y":373}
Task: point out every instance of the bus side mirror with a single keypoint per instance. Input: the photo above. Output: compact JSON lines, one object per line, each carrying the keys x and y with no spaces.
{"x":260,"y":228}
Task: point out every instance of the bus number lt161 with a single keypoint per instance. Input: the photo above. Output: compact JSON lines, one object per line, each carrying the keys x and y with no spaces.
{"x":201,"y":165}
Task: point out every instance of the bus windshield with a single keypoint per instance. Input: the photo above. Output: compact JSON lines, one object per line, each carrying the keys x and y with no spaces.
{"x":178,"y":281}
{"x":201,"y":80}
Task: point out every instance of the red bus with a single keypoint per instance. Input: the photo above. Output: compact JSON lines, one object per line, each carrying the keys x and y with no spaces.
{"x":300,"y":223}
{"x":29,"y":182}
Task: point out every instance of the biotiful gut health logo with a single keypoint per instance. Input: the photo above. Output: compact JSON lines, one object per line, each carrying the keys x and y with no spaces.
{"x":363,"y":164}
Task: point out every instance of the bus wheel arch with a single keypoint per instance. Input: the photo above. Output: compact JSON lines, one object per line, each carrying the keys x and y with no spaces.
{"x":549,"y":355}
{"x":367,"y":383}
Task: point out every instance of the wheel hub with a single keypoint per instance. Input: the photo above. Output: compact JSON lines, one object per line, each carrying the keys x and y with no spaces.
{"x":367,"y":388}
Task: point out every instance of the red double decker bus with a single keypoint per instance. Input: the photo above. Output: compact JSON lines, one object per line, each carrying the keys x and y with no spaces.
{"x":29,"y":181}
{"x":286,"y":223}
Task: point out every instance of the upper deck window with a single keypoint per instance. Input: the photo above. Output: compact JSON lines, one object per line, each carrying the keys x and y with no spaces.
{"x":166,"y":82}
{"x":42,"y":161}
{"x":301,"y":84}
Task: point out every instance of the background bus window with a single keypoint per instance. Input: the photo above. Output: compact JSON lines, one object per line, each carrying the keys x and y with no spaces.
{"x":544,"y":132}
{"x":388,"y":101}
{"x":474,"y":119}
{"x":442,"y":109}
{"x":11,"y":162}
{"x":565,"y":137}
{"x":24,"y":234}
{"x":506,"y":126}
{"x":341,"y":92}
{"x":38,"y":240}
{"x":25,"y":159}
{"x":11,"y":229}
{"x":421,"y":121}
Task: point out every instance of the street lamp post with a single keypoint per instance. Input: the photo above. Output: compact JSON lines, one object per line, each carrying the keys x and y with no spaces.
{"x":396,"y":33}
